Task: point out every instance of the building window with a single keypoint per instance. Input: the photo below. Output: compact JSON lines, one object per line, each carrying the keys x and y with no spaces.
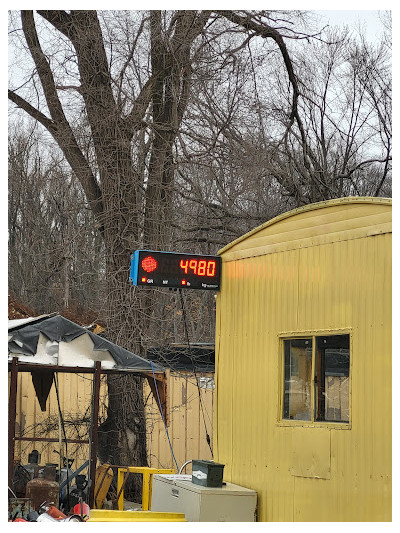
{"x":316,"y":378}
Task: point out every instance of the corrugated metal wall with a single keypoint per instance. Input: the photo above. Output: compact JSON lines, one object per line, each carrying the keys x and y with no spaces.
{"x":186,"y":426}
{"x":316,"y":270}
{"x":75,"y":392}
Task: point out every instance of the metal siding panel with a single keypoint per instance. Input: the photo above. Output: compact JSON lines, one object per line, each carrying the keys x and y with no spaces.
{"x":193,"y":425}
{"x":225,"y":345}
{"x":332,"y":286}
{"x":33,"y":421}
{"x":311,"y":453}
{"x":186,"y":427}
{"x":260,"y":288}
{"x":75,"y":395}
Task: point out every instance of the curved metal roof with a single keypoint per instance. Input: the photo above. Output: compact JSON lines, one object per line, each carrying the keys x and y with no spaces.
{"x":337,"y":202}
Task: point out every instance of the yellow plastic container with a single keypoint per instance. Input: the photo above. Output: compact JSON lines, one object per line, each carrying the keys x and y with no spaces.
{"x":104,"y":475}
{"x":104,"y":515}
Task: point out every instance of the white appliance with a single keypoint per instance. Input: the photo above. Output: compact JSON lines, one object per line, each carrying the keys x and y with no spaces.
{"x":177,"y":494}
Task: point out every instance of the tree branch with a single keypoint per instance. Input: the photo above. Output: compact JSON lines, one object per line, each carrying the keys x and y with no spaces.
{"x":59,"y":126}
{"x":32,"y":111}
{"x":267,"y":32}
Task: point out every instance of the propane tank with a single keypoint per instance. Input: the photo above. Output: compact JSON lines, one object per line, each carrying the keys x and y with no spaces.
{"x":44,"y":489}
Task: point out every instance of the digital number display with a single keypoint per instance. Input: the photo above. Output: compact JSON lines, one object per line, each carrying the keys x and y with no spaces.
{"x":169,"y":269}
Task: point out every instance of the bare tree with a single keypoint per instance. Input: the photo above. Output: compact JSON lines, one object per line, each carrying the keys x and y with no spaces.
{"x":55,"y":253}
{"x":113,"y":186}
{"x":184,"y":127}
{"x":345,"y":106}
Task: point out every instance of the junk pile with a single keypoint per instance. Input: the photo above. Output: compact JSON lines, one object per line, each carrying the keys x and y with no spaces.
{"x":47,"y":513}
{"x":47,"y":493}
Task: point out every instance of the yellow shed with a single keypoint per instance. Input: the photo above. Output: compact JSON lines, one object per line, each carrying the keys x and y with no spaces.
{"x":303,"y":363}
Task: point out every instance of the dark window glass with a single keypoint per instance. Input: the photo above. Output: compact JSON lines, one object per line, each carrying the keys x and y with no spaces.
{"x":297,"y":390}
{"x":331,"y":380}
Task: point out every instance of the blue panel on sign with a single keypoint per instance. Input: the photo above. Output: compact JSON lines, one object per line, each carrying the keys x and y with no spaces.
{"x":134,"y":267}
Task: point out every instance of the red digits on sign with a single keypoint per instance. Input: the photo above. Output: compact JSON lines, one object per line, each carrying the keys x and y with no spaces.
{"x":184,"y":265}
{"x":199,"y":268}
{"x":193,"y":265}
{"x":201,"y":271}
{"x":211,"y":268}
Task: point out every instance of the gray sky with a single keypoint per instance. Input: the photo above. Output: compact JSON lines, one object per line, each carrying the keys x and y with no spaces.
{"x":368,"y":20}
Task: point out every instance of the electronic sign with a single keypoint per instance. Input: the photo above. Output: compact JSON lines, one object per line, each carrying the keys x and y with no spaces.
{"x":170,"y":269}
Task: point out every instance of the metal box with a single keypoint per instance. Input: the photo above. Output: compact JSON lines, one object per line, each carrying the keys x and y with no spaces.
{"x":177,"y":494}
{"x":207,"y":473}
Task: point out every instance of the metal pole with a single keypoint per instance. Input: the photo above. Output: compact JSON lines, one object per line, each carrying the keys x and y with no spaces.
{"x":12,"y":414}
{"x":94,"y":431}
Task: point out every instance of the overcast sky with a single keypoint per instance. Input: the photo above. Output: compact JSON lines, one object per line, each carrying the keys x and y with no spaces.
{"x":366,"y":19}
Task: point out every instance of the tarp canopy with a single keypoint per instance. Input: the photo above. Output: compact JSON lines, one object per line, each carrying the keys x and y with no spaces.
{"x":199,"y":357}
{"x":53,"y":339}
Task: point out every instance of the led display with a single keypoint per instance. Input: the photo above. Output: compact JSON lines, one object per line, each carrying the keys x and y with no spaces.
{"x":169,"y":269}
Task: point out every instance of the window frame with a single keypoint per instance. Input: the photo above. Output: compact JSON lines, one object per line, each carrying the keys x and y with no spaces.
{"x":281,"y":384}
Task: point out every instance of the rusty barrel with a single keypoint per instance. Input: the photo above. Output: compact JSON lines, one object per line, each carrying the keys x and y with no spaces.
{"x":44,"y":489}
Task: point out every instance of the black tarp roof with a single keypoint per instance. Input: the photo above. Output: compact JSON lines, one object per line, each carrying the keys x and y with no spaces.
{"x":60,"y":329}
{"x":199,"y":357}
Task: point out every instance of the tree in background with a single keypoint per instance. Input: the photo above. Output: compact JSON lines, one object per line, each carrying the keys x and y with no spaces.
{"x":183,"y":128}
{"x":55,"y":253}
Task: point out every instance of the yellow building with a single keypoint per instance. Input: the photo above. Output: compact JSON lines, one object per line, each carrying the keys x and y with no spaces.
{"x":302,"y":407}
